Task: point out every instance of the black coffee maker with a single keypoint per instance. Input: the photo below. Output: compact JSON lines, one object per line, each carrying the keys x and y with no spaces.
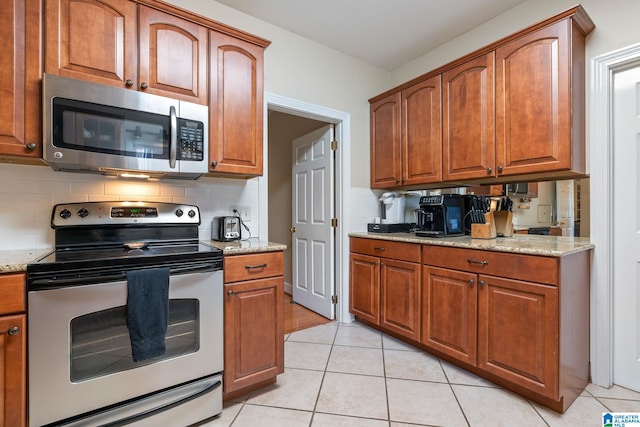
{"x":441,"y":216}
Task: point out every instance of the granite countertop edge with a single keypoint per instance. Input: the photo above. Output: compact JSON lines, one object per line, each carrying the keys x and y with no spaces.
{"x":17,"y":261}
{"x":245,"y":246}
{"x":552,"y":246}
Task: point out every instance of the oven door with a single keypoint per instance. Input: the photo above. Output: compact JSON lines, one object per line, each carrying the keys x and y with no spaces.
{"x":80,"y":353}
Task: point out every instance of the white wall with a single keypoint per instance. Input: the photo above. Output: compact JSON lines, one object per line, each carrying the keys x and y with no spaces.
{"x":28,"y":194}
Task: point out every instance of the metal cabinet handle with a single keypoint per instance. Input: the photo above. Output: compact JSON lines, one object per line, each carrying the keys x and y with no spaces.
{"x":229,"y":292}
{"x":250,"y":267}
{"x":14,"y":330}
{"x":470,"y":281}
{"x":129,"y":82}
{"x":31,"y":146}
{"x":489,"y":170}
{"x":481,"y":283}
{"x":379,"y":249}
{"x":473,"y":261}
{"x":499,"y":169}
{"x":214,"y":163}
{"x":144,"y":85}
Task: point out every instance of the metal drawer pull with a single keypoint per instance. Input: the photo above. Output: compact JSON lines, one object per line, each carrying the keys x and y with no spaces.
{"x":481,"y":283}
{"x":250,"y":267}
{"x":470,"y":281}
{"x":229,"y":292}
{"x":379,"y":249}
{"x":473,"y":261}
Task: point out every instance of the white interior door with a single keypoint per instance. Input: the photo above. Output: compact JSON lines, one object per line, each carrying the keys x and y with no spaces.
{"x":312,"y":255}
{"x":626,"y":228}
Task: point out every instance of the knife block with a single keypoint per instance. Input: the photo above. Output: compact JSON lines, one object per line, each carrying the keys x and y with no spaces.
{"x":486,"y":230}
{"x":504,"y":223}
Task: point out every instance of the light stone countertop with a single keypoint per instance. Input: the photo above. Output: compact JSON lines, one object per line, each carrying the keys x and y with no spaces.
{"x":16,"y":261}
{"x":553,"y":246}
{"x":245,"y":246}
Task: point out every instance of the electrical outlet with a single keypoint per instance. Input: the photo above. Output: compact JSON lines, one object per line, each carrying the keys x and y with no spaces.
{"x":243,"y":212}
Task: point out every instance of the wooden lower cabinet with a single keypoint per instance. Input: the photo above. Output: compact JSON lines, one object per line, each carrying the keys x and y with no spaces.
{"x":385,"y":290}
{"x":13,"y":344}
{"x":521,"y":321}
{"x":254,"y":321}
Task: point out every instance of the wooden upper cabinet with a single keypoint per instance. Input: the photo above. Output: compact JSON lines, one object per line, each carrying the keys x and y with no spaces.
{"x":386,"y":134}
{"x":172,"y":56}
{"x":534,"y":103}
{"x":236,"y":106}
{"x":92,"y":40}
{"x":468,"y":107}
{"x":20,"y":83}
{"x":422,"y":133}
{"x":118,"y":43}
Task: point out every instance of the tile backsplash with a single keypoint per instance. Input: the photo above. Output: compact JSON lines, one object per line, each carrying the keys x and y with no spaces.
{"x":28,"y":194}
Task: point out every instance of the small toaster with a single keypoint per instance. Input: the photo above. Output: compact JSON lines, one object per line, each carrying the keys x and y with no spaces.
{"x":226,"y":228}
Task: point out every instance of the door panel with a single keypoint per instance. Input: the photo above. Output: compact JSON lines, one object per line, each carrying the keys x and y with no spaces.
{"x":468,"y":120}
{"x":364,"y":287}
{"x":92,"y":40}
{"x":533,"y":129}
{"x":400,"y":297}
{"x":386,"y":137}
{"x":313,"y":240}
{"x":518,"y":332}
{"x":172,"y":56}
{"x":450,"y":307}
{"x":626,"y":229}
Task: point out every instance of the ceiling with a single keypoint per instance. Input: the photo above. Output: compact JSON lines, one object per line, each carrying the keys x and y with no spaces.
{"x":384,"y":33}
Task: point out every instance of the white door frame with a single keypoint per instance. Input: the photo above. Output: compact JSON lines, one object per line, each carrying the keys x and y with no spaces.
{"x":603,"y":69}
{"x":342,"y":121}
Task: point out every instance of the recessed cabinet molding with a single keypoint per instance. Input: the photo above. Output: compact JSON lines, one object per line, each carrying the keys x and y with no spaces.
{"x":513,"y":110}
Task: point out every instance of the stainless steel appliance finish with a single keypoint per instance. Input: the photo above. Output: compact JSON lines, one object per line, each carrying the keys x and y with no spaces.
{"x":441,"y":216}
{"x":81,"y":372}
{"x":89,"y":127}
{"x":226,"y":228}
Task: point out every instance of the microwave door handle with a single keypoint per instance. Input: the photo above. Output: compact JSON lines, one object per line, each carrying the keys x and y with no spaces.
{"x":173,"y":137}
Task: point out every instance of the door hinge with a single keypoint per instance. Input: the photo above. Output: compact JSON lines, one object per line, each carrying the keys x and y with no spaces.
{"x":334,"y":299}
{"x":334,"y":222}
{"x":334,"y":145}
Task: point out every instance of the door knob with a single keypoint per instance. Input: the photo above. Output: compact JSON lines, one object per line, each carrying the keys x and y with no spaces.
{"x":292,"y":229}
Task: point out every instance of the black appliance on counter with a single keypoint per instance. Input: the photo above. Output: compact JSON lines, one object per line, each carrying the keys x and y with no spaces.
{"x":441,"y":216}
{"x":81,"y":363}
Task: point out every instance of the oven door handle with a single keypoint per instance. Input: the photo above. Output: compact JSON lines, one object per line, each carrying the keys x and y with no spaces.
{"x":116,"y":277}
{"x":155,"y":411}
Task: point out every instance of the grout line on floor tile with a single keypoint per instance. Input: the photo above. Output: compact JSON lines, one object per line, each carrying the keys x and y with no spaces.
{"x":324,"y":374}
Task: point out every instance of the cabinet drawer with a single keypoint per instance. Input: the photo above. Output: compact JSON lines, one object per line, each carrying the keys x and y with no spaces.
{"x":530,"y":268}
{"x":12,"y":293}
{"x":386,"y":248}
{"x":253,"y":266}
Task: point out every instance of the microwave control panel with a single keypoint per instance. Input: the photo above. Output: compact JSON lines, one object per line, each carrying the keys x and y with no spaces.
{"x":190,"y":140}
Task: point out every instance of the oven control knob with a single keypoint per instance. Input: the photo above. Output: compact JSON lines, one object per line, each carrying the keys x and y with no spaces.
{"x":83,"y":213}
{"x":179,"y":213}
{"x":191,"y":213}
{"x":65,"y":213}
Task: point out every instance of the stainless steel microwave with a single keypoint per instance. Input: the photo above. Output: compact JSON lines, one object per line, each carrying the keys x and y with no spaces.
{"x":90,"y":127}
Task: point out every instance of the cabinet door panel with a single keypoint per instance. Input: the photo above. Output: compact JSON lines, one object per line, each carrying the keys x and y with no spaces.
{"x":386,"y":137}
{"x":254,"y":332}
{"x":91,"y":40}
{"x":518,"y":333}
{"x":449,"y":312}
{"x":13,"y":408}
{"x":364,"y":287}
{"x":235,"y":112}
{"x":20,"y":82}
{"x":533,"y":82}
{"x":400,"y":297}
{"x":422,"y":133}
{"x":469,"y":120}
{"x":172,"y":56}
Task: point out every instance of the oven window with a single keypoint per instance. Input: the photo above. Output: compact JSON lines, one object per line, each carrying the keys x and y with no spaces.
{"x":100,"y":343}
{"x":102,"y":129}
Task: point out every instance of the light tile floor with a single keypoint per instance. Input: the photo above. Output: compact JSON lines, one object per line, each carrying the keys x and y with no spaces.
{"x":354,"y":376}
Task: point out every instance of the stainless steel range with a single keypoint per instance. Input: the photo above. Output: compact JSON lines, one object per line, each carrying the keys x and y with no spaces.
{"x":125,"y":318}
